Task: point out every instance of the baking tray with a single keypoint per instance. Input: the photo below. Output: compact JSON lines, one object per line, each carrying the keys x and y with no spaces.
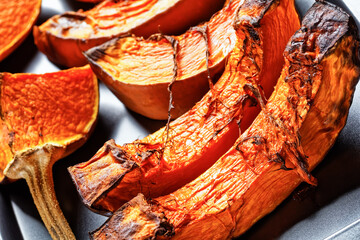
{"x":329,"y":211}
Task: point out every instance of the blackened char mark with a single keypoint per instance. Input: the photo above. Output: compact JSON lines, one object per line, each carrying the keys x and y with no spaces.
{"x":261,"y":6}
{"x":322,"y":27}
{"x":124,"y":222}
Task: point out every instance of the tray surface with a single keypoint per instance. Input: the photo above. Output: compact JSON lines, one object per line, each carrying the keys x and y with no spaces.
{"x":329,"y":211}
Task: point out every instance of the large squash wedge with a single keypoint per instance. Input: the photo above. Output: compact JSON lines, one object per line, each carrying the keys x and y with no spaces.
{"x":139,"y":71}
{"x":16,"y":21}
{"x":269,"y":160}
{"x":45,"y":117}
{"x":64,"y":37}
{"x":178,"y":153}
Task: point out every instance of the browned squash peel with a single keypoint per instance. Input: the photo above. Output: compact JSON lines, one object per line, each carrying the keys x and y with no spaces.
{"x":64,"y":37}
{"x":311,"y":101}
{"x":181,"y":151}
{"x":132,"y":67}
{"x":45,"y":117}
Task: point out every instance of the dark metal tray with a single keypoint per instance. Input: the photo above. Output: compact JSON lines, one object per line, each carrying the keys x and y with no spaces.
{"x":329,"y":211}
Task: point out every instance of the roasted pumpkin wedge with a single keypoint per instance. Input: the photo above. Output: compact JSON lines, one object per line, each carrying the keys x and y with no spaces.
{"x":16,"y":21}
{"x":311,"y":101}
{"x":181,"y":151}
{"x":64,"y":37}
{"x":45,"y":117}
{"x":139,"y":71}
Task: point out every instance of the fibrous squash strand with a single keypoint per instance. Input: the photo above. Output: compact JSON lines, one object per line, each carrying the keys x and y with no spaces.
{"x":203,"y":30}
{"x":174,"y":44}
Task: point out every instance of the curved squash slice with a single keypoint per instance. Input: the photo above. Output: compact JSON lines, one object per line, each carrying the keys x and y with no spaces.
{"x":16,"y":21}
{"x":181,"y":151}
{"x":139,"y":71}
{"x":64,"y":37}
{"x":268,"y":161}
{"x":44,"y":118}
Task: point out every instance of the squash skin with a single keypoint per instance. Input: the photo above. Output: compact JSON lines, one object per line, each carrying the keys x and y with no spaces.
{"x":117,"y":173}
{"x":321,"y":71}
{"x":54,"y":39}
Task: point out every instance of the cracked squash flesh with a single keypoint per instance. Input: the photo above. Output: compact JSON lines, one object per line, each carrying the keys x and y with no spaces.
{"x":181,"y":151}
{"x":16,"y":21}
{"x":139,"y":71}
{"x":45,"y":117}
{"x":311,"y":101}
{"x":64,"y":37}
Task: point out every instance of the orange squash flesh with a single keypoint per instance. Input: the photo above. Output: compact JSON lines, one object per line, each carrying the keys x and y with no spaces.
{"x":45,"y":117}
{"x":16,"y":21}
{"x":64,"y":37}
{"x":165,"y":161}
{"x":311,"y":101}
{"x":133,"y":67}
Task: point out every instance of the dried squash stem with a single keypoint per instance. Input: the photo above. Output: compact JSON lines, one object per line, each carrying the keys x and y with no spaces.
{"x":35,"y":166}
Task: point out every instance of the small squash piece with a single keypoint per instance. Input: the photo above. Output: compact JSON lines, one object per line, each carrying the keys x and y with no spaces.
{"x":16,"y":21}
{"x":177,"y":154}
{"x":45,"y":117}
{"x":269,"y":160}
{"x":64,"y":37}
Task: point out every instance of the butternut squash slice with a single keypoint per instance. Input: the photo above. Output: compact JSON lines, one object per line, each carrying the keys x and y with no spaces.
{"x":311,"y":101}
{"x":181,"y":151}
{"x":64,"y":37}
{"x":139,"y":71}
{"x":16,"y":21}
{"x":45,"y":117}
